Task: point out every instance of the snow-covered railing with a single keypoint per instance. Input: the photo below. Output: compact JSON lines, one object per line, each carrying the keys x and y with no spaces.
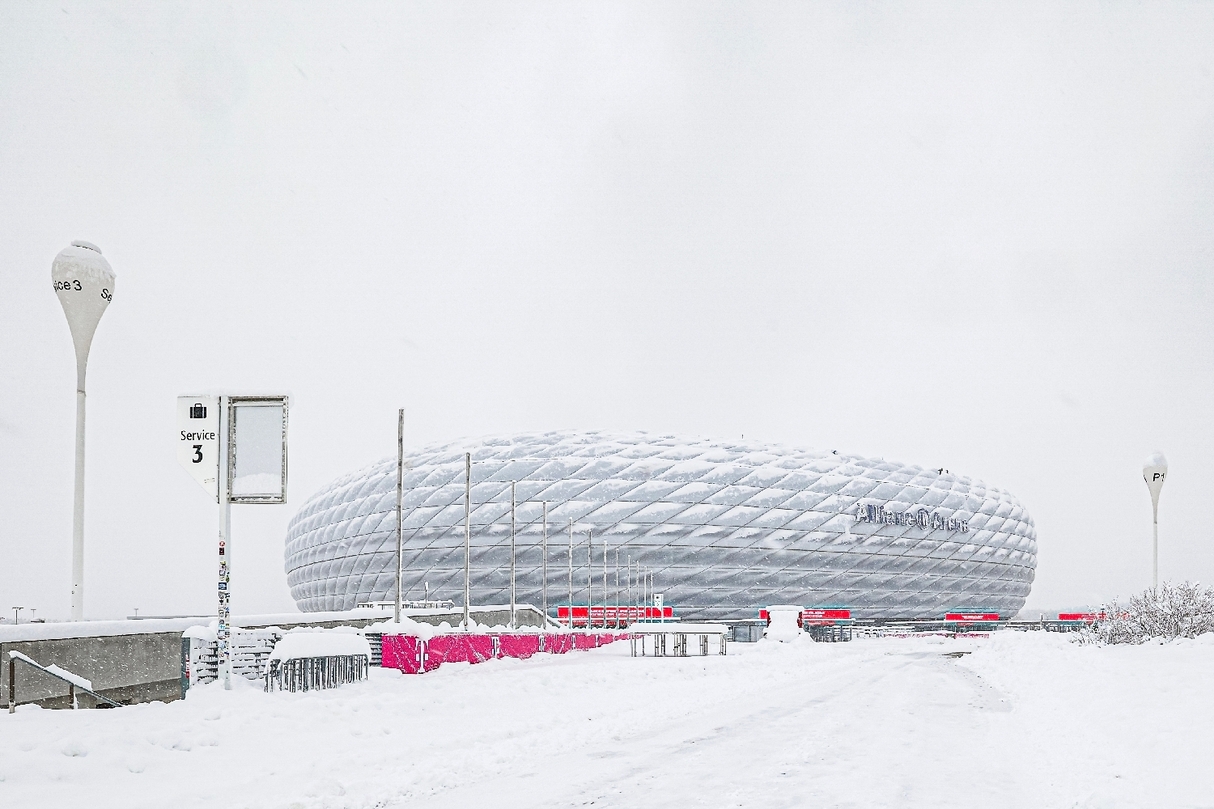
{"x":306,"y":661}
{"x":74,"y":681}
{"x":314,"y":673}
{"x":655,"y":636}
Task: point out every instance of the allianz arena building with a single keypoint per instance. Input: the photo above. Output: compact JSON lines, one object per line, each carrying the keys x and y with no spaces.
{"x":724,"y":527}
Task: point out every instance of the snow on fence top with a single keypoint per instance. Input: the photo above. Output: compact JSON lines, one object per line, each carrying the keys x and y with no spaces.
{"x":63,"y":674}
{"x":296,"y":645}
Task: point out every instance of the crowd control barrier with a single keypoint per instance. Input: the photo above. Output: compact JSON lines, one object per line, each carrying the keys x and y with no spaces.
{"x":413,"y":655}
{"x":315,"y":673}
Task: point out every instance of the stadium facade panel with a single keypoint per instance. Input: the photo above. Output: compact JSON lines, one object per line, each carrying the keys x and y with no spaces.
{"x":724,"y":527}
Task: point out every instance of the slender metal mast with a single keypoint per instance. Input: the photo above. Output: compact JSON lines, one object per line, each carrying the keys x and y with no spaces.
{"x":571,"y":573}
{"x":617,"y":588}
{"x":400,"y":493}
{"x":467,"y":537}
{"x":645,"y":590}
{"x":589,"y":577}
{"x":545,"y":564}
{"x":605,"y":596}
{"x":512,"y":548}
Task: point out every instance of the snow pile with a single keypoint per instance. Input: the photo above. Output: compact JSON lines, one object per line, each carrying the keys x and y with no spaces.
{"x":1176,"y":611}
{"x":785,"y":623}
{"x":408,"y":626}
{"x":323,"y":643}
{"x":1010,"y":721}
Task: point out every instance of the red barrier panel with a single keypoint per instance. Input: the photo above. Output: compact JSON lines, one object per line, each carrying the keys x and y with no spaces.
{"x":520,"y":646}
{"x":557,"y":644}
{"x":583,"y":641}
{"x":457,"y":649}
{"x":403,"y":652}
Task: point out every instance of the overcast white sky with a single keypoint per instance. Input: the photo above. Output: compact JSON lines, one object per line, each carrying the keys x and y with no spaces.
{"x":973,"y":235}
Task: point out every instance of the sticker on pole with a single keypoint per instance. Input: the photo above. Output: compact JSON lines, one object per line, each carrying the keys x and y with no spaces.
{"x":198,"y":440}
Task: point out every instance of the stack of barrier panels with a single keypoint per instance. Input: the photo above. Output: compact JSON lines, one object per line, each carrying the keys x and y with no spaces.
{"x":315,"y":673}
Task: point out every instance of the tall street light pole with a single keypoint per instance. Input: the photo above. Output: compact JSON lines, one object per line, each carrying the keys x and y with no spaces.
{"x":571,"y":573}
{"x":467,"y":539}
{"x":84,"y":283}
{"x":400,"y":494}
{"x":513,"y":601}
{"x":545,"y":575}
{"x":1154,"y":472}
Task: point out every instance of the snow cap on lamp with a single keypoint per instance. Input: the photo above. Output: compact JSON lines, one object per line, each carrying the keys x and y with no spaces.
{"x":84,"y":282}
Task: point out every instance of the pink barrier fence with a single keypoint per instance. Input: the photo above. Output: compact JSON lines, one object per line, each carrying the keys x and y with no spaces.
{"x":558,"y":644}
{"x":520,"y":646}
{"x":412,"y":655}
{"x":457,"y":649}
{"x":402,"y":652}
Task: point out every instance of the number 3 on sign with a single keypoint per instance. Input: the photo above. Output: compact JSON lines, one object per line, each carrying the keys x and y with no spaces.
{"x":198,"y":453}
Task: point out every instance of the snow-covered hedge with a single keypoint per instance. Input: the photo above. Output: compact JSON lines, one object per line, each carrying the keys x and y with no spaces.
{"x":1183,"y":610}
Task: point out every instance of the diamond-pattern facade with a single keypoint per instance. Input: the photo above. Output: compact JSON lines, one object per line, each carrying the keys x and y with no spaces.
{"x":725,"y":528}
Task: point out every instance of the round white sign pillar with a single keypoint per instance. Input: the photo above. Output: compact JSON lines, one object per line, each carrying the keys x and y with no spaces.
{"x":84,"y":283}
{"x":1155,"y":472}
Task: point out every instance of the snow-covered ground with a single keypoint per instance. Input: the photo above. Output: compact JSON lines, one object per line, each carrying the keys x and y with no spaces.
{"x":1019,"y":720}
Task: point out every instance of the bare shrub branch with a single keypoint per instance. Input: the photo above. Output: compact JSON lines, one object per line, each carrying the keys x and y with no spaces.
{"x":1183,"y":610}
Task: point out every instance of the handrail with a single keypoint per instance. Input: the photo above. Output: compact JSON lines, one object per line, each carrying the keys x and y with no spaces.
{"x":72,"y":685}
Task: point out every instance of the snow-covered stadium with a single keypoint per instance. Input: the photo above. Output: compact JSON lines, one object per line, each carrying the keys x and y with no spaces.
{"x":725,"y":528}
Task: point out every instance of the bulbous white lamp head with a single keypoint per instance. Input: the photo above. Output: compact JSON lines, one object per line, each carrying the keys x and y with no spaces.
{"x":1155,"y":472}
{"x":84,"y":283}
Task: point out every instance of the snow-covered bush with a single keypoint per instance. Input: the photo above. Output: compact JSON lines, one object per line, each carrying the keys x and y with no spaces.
{"x":1174,"y":611}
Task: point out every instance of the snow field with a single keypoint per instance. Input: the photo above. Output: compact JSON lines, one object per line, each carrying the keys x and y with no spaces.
{"x":1018,"y":720}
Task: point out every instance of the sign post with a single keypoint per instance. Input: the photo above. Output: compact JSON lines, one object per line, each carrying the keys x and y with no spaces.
{"x":235,"y":447}
{"x":84,"y":282}
{"x":1154,"y":472}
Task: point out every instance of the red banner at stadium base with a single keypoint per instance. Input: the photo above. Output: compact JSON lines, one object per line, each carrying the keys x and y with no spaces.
{"x":1086,"y":617}
{"x":971,"y":617}
{"x":824,"y":617}
{"x":609,"y":616}
{"x":412,"y":655}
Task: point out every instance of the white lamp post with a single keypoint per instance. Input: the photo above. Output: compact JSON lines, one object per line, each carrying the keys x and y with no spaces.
{"x":1154,"y":472}
{"x":84,"y":283}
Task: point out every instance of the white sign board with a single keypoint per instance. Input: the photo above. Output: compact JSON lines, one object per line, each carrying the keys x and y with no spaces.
{"x":198,"y":440}
{"x":257,"y":470}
